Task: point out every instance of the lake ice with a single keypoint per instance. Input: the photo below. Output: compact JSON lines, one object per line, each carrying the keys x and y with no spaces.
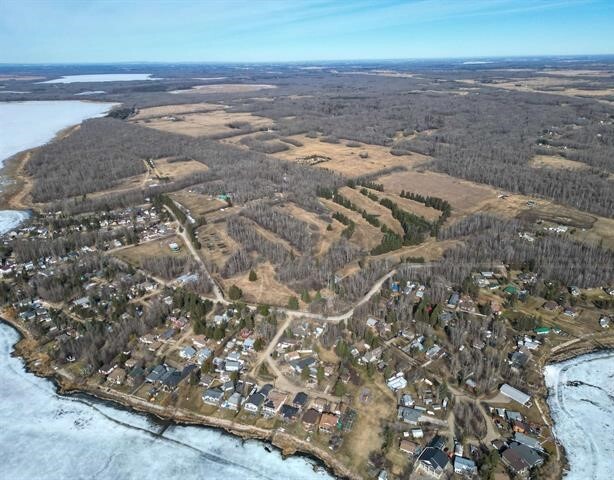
{"x":581,"y":400}
{"x":102,"y":77}
{"x":46,"y":435}
{"x":27,"y":125}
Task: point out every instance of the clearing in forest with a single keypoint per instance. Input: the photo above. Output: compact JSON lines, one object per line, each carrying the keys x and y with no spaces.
{"x":384,"y":215}
{"x":208,"y":123}
{"x":557,"y":162}
{"x":464,"y":196}
{"x":411,"y":206}
{"x":137,"y":254}
{"x":216,"y":244}
{"x":226,"y":88}
{"x":266,"y":289}
{"x":172,"y":168}
{"x":197,"y":203}
{"x":347,"y":160}
{"x":365,"y":235}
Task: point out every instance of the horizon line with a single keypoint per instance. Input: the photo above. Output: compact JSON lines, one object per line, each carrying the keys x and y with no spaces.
{"x":287,"y":62}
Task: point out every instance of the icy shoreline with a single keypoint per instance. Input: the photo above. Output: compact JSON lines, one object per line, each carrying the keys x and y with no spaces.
{"x":581,"y":401}
{"x":78,"y":436}
{"x":27,"y":125}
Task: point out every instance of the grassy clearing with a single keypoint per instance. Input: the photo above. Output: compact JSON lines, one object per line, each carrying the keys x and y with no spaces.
{"x":347,"y":160}
{"x":211,"y":122}
{"x":363,"y":202}
{"x":366,"y":236}
{"x":156,"y":248}
{"x":266,"y":289}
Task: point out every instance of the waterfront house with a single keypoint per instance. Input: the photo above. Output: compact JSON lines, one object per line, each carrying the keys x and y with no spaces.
{"x":515,"y":394}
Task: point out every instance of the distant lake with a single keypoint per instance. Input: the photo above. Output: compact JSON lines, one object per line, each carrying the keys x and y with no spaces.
{"x":581,"y":400}
{"x":27,"y":125}
{"x":55,"y":437}
{"x":102,"y":77}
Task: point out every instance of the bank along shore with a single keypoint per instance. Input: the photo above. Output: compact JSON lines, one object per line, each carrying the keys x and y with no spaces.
{"x":15,"y":192}
{"x":579,"y":348}
{"x":26,"y":348}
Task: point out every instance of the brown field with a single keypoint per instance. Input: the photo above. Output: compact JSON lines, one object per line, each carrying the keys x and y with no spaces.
{"x":174,"y":170}
{"x":366,"y":236}
{"x":361,"y":201}
{"x":165,"y":110}
{"x":430,"y":250}
{"x":549,"y":85}
{"x":465,"y":197}
{"x":197,"y":203}
{"x":366,"y":435}
{"x":408,"y":205}
{"x":211,"y":122}
{"x":155,"y":248}
{"x":577,"y":73}
{"x":346,"y":160}
{"x":557,"y":162}
{"x":225,"y":88}
{"x":217,"y":245}
{"x":325,"y":238}
{"x":264,"y":290}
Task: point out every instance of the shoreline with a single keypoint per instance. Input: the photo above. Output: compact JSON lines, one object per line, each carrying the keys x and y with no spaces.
{"x":285,"y":443}
{"x":579,"y":349}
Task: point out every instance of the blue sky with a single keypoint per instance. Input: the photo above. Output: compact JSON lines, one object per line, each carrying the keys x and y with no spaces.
{"x":46,"y":31}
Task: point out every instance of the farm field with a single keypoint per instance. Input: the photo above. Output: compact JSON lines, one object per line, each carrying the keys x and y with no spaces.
{"x":347,"y":160}
{"x":210,"y":121}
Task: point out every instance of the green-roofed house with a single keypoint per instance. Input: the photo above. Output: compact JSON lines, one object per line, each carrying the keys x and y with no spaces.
{"x":542,"y":331}
{"x":511,"y":289}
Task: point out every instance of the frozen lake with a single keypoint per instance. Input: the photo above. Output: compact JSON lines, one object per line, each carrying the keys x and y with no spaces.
{"x":27,"y":125}
{"x":581,"y":400}
{"x":46,"y":435}
{"x":102,"y":77}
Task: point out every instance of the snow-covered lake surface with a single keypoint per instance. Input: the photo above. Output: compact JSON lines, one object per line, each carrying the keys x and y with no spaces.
{"x":27,"y":125}
{"x":581,"y":400}
{"x":46,"y":435}
{"x":102,"y":77}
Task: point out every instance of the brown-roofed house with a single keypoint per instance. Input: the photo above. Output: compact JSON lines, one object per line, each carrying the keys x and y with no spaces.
{"x":310,"y":419}
{"x":328,"y":422}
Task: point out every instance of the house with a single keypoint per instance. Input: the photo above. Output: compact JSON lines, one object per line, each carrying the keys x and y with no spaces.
{"x":453,"y":300}
{"x":107,"y":369}
{"x":397,"y":382}
{"x":117,"y":376}
{"x":570,"y":312}
{"x":254,"y":402}
{"x":288,"y":412}
{"x":433,"y":462}
{"x":233,"y":402}
{"x":311,"y":418}
{"x":529,"y":441}
{"x":203,"y":355}
{"x":328,"y":423}
{"x":409,"y":415}
{"x":604,"y":322}
{"x":83,"y":302}
{"x":465,"y":466}
{"x":551,"y":306}
{"x":274,"y":402}
{"x":135,"y":376}
{"x":156,"y":374}
{"x":417,"y":433}
{"x":299,"y":365}
{"x":575,"y":291}
{"x":542,"y":331}
{"x":187,"y":352}
{"x":520,"y":459}
{"x":300,"y":400}
{"x":515,"y":394}
{"x":409,"y":447}
{"x":213,"y":396}
{"x":174,"y":247}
